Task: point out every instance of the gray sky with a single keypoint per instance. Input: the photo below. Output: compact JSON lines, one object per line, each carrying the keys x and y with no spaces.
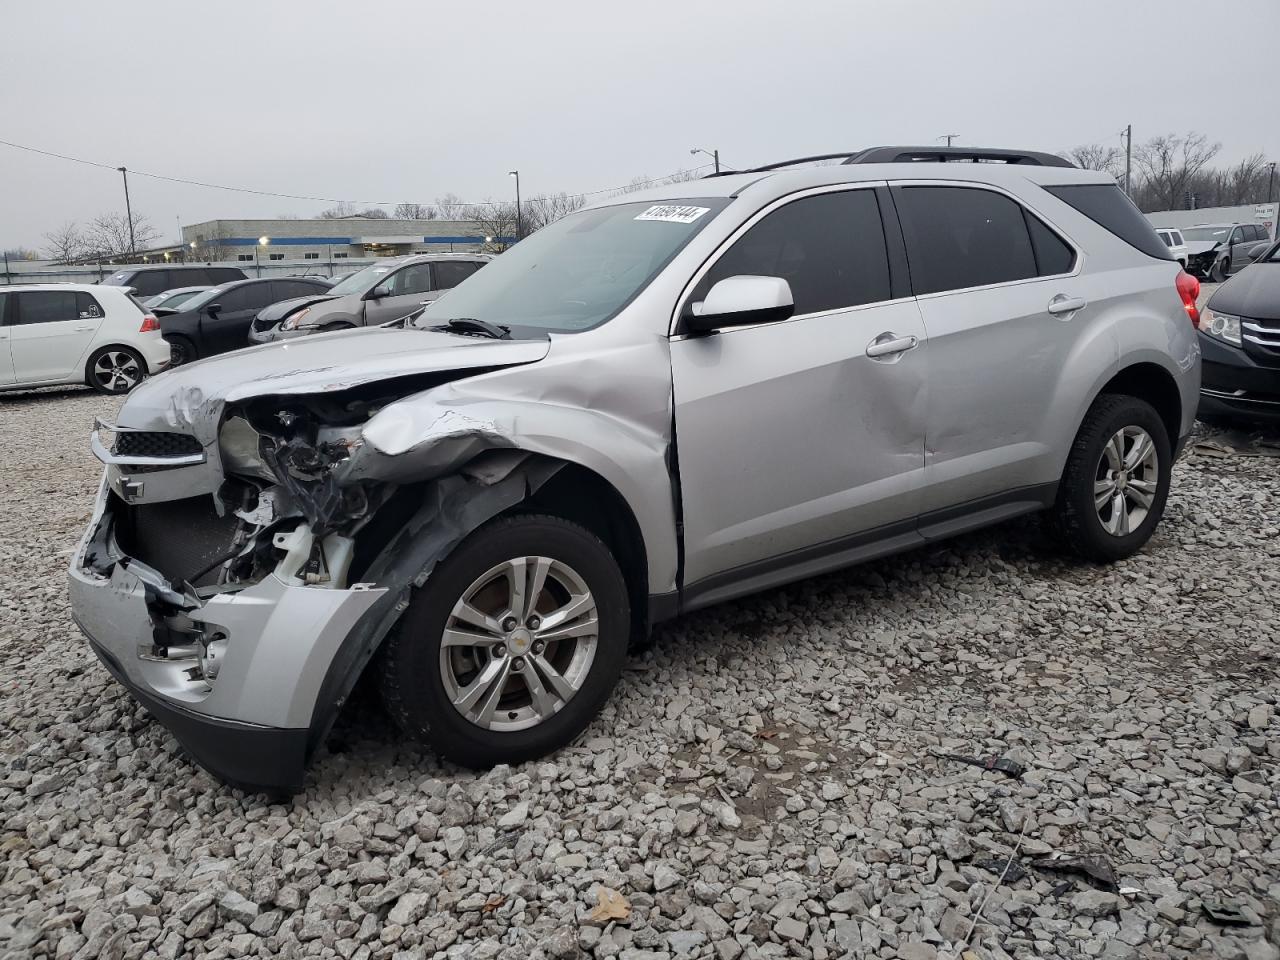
{"x":400,"y":101}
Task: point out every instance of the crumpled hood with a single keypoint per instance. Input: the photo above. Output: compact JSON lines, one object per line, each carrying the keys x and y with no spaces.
{"x":1201,"y":246}
{"x":1253,"y":292}
{"x":190,"y":398}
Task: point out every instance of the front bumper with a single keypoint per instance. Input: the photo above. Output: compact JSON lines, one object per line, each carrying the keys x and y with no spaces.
{"x":276,"y":334}
{"x":1234,"y":385}
{"x":254,"y":724}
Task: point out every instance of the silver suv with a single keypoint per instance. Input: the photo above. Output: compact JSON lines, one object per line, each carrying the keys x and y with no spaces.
{"x":661,"y":402}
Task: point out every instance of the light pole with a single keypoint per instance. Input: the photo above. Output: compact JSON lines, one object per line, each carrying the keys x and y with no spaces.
{"x":519,"y":211}
{"x":128,"y":211}
{"x":262,"y":242}
{"x":192,"y":245}
{"x":1271,"y":180}
{"x":713,"y":154}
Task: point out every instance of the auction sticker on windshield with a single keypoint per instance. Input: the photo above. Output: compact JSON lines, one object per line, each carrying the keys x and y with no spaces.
{"x":668,"y":213}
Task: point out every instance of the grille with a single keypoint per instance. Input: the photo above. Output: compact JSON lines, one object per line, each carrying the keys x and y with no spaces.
{"x":146,"y":443}
{"x":1267,"y":353}
{"x":179,"y":538}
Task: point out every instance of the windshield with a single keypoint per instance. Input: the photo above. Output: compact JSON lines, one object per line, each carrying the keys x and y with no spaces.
{"x":362,"y":281}
{"x":1206,"y":233}
{"x":580,"y":271}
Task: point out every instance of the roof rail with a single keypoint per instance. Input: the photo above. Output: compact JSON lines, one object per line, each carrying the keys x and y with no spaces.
{"x":957,"y":155}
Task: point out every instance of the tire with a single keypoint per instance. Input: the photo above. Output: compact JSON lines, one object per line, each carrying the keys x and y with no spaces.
{"x":1093,"y":530}
{"x":1218,"y":272}
{"x":115,"y":370}
{"x":420,"y":677}
{"x":181,"y":350}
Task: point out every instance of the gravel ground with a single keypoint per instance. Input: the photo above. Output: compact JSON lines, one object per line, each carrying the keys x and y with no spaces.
{"x":762,"y":784}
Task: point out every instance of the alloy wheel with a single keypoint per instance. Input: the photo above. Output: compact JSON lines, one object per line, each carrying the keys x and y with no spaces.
{"x":117,"y":371}
{"x":519,"y":643}
{"x":1126,"y":480}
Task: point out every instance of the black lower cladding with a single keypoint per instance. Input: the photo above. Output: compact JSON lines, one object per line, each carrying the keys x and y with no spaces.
{"x":178,"y":538}
{"x":245,"y":756}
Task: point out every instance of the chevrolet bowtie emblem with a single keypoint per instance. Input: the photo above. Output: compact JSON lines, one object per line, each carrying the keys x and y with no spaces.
{"x":131,"y":490}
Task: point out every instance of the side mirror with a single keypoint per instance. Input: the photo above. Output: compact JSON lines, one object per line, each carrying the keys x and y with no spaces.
{"x":378,"y":292}
{"x":213,"y":309}
{"x":737,"y":301}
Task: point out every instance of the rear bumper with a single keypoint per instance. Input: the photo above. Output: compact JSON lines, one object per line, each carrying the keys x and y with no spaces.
{"x":1234,"y":385}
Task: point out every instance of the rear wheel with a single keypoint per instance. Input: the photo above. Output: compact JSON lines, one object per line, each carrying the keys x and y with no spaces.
{"x":115,"y":370}
{"x":1116,"y":481}
{"x":513,"y":645}
{"x":181,"y":350}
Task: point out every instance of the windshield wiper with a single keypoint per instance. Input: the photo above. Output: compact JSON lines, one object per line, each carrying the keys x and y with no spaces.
{"x":471,"y":325}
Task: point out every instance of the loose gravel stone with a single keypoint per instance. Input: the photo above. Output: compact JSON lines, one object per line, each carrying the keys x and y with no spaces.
{"x":762,"y":783}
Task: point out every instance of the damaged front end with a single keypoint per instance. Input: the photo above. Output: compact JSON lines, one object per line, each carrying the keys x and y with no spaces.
{"x":247,"y":556}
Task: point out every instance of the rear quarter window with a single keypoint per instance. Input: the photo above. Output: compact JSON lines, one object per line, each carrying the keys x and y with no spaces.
{"x":1108,"y":207}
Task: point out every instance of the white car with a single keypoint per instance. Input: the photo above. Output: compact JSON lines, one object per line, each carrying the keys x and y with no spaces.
{"x":54,"y":333}
{"x":1172,"y":238}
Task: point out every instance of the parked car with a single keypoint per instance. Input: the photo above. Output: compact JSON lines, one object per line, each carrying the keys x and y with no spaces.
{"x":148,"y":281}
{"x":172,"y":299}
{"x":381,"y":292}
{"x":1172,"y":238}
{"x":1240,"y":339}
{"x":76,"y":333}
{"x":218,"y":319}
{"x":657,"y":403}
{"x":1215,"y":251}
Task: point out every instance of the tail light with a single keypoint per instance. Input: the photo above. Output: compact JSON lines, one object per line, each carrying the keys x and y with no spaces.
{"x":149,"y":324}
{"x":1189,"y":290}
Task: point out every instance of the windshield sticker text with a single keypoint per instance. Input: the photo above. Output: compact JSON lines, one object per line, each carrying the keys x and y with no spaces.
{"x":667,"y":213}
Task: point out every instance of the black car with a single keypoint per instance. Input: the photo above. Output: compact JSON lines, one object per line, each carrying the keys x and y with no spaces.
{"x":1240,"y":343}
{"x":218,"y":320}
{"x":148,"y":281}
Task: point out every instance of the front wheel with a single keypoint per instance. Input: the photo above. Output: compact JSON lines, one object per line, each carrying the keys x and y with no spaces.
{"x":513,"y":645}
{"x":1218,"y":272}
{"x":115,"y":370}
{"x":1116,"y":481}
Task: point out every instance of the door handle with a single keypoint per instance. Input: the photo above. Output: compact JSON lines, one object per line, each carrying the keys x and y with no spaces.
{"x":890,"y":344}
{"x":1063,"y":304}
{"x":87,"y":326}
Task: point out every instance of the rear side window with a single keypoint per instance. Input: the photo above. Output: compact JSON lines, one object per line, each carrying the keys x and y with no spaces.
{"x":1177,"y":238}
{"x":1166,"y":237}
{"x":1053,"y":254}
{"x":450,"y":273}
{"x":1107,"y":206}
{"x":147,"y":283}
{"x":960,"y":237}
{"x":830,"y":248}
{"x":46,"y":306}
{"x":219,"y":275}
{"x":191,"y":277}
{"x":87,"y":307}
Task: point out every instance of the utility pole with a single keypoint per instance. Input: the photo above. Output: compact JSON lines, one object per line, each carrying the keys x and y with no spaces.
{"x":128,"y":211}
{"x":948,"y":137}
{"x":7,"y":280}
{"x":713,"y":154}
{"x":1128,"y":158}
{"x":1271,"y":180}
{"x":519,"y":211}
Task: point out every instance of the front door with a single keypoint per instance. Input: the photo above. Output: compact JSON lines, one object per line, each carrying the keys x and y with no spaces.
{"x":50,"y":332}
{"x":6,"y":352}
{"x":1002,"y":300}
{"x":228,"y":327}
{"x":409,"y":287}
{"x":790,"y":438}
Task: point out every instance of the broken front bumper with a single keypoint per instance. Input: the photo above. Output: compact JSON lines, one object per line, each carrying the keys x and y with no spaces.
{"x":252,"y":723}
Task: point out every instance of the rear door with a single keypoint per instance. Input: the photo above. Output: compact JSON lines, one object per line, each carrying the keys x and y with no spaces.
{"x":791,"y":439}
{"x":147,"y":283}
{"x":50,"y":332}
{"x":1000,"y":294}
{"x":6,"y":353}
{"x":410,"y":286}
{"x":450,"y":273}
{"x":228,"y":329}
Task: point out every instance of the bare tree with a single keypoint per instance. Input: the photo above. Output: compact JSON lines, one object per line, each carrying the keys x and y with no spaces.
{"x":109,"y":235}
{"x":494,"y":222}
{"x":450,"y":206}
{"x":1168,"y":165}
{"x":414,"y":211}
{"x":1097,"y":156}
{"x":1242,"y":183}
{"x":65,"y":244}
{"x":540,"y":211}
{"x":341,"y":209}
{"x":210,"y":247}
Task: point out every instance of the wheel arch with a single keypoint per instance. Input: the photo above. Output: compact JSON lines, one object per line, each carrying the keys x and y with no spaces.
{"x":1153,"y":383}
